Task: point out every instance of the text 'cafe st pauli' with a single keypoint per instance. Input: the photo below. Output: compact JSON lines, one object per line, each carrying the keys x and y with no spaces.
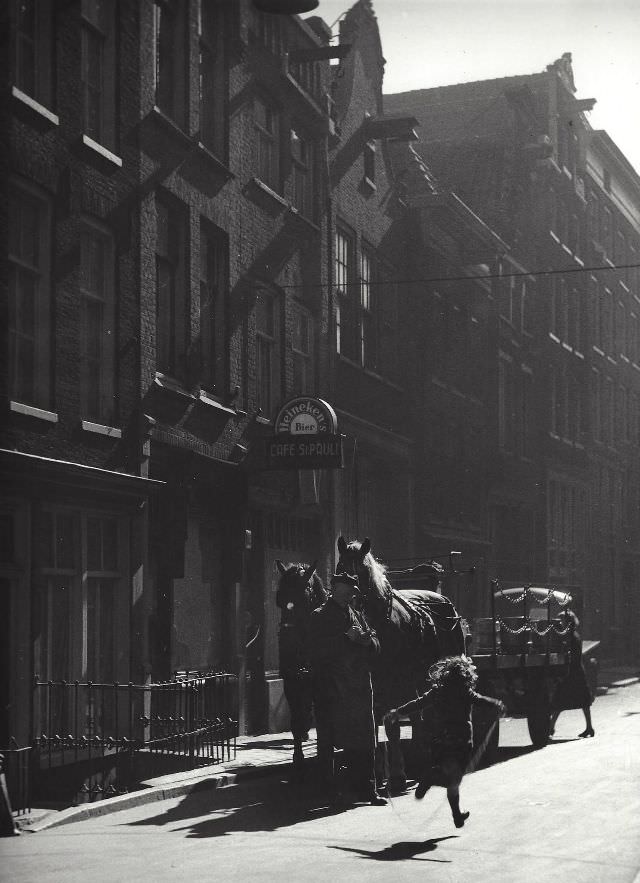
{"x":306,"y":437}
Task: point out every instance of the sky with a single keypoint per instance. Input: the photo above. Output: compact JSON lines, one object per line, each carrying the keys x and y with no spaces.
{"x":438,"y":42}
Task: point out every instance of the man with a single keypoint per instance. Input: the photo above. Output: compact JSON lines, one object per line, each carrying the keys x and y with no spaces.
{"x":342,"y":648}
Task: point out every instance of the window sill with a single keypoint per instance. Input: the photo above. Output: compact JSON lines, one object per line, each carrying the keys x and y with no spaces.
{"x":299,"y":220}
{"x":101,"y":429}
{"x":33,"y":112}
{"x":208,"y":417}
{"x":204,"y":170}
{"x":368,"y":185}
{"x":32,"y":411}
{"x":159,"y":134}
{"x":97,"y":154}
{"x":265,"y":196}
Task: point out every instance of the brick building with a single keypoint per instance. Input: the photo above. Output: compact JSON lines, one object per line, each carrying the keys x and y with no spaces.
{"x":212,"y":210}
{"x":563,"y":357}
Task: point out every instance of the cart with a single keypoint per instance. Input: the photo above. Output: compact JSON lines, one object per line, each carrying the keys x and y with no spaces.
{"x":522,"y":651}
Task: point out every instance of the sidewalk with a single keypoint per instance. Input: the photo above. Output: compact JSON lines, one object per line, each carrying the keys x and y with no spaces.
{"x":255,"y":756}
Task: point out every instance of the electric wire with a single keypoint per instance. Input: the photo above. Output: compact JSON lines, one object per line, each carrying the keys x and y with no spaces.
{"x":471,"y":277}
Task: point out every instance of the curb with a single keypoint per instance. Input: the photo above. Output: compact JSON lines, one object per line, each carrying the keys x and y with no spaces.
{"x":152,"y":794}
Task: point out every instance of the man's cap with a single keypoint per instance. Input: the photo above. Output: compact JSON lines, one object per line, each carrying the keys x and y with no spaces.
{"x":346,"y":579}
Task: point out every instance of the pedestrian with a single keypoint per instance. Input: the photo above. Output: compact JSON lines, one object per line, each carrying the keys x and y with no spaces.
{"x":342,"y":649}
{"x":573,"y":690}
{"x":446,"y":711}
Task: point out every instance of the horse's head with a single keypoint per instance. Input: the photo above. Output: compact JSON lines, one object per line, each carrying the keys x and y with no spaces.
{"x":352,"y":555}
{"x":295,"y":595}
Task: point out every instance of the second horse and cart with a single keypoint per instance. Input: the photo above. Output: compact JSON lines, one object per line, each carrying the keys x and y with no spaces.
{"x":521,"y":650}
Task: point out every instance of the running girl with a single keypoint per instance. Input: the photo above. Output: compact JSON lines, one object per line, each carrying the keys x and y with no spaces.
{"x":446,"y":711}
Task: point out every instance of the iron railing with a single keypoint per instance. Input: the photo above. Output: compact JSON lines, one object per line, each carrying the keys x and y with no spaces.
{"x":95,"y":740}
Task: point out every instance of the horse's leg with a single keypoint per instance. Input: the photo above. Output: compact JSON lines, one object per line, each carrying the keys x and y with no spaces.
{"x":397,"y":774}
{"x":294,"y":695}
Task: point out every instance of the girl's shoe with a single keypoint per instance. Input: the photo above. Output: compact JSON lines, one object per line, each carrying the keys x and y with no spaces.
{"x":460,"y":819}
{"x":587,"y":733}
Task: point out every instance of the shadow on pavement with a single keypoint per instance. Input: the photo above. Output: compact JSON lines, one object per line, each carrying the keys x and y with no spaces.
{"x":401,"y":851}
{"x":266,"y":807}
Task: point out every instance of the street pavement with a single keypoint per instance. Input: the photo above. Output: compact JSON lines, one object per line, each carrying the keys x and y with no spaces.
{"x":568,"y":812}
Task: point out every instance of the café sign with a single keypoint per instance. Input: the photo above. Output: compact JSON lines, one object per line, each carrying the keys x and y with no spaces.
{"x":306,"y":437}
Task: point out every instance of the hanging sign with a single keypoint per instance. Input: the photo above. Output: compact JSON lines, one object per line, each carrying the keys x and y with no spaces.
{"x":306,"y":437}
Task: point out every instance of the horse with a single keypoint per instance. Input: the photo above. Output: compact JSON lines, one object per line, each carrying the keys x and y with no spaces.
{"x":300,"y":591}
{"x":416,"y":628}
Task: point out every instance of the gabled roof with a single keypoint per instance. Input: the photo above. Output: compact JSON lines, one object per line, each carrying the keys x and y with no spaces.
{"x":461,"y":111}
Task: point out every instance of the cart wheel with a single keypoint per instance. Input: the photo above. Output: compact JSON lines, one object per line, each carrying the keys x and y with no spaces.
{"x":538,"y":721}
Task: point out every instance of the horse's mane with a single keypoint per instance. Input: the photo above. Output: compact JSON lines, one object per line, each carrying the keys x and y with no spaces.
{"x":377,"y":570}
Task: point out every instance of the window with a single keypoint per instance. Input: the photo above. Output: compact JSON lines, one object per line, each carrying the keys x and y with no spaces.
{"x":34,"y":49}
{"x":526,"y":307}
{"x":596,"y":406}
{"x":348,"y":342}
{"x":98,"y":70}
{"x":368,"y":324}
{"x":214,"y":252}
{"x":211,"y":31}
{"x":170,"y":40}
{"x":302,"y":173}
{"x":98,"y":325}
{"x":526,"y":414}
{"x":507,"y":291}
{"x":369,"y":158}
{"x":267,"y":352}
{"x":506,"y":405}
{"x":606,"y":231}
{"x":29,"y":297}
{"x":302,"y":347}
{"x":267,"y":135}
{"x":83,"y":605}
{"x":171,"y":304}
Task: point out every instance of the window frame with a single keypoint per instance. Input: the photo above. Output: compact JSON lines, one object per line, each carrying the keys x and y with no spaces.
{"x":214,"y":262}
{"x":170,"y":63}
{"x":171,"y":355}
{"x":268,"y":343}
{"x":302,"y":173}
{"x":43,"y":309}
{"x":41,"y":70}
{"x":105,"y":358}
{"x":267,"y":144}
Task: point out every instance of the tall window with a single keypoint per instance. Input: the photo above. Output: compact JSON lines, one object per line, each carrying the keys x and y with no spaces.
{"x":214,"y":251}
{"x":33,"y":47}
{"x":98,"y":70}
{"x":83,"y":608}
{"x":302,"y":173}
{"x":368,"y":329}
{"x":506,"y":411}
{"x":526,"y":414}
{"x":170,"y":288}
{"x":170,"y":40}
{"x":267,"y":144}
{"x":29,"y":297}
{"x":348,"y":342}
{"x":302,"y":347}
{"x":267,"y":352}
{"x":98,"y":325}
{"x":606,"y":232}
{"x":212,"y":76}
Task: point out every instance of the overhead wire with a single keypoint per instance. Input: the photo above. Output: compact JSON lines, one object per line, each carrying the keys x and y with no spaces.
{"x":473,"y":277}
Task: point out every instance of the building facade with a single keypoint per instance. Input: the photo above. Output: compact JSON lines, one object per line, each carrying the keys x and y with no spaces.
{"x":520,"y":151}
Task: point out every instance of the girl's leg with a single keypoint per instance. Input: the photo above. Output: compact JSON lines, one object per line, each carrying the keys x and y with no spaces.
{"x":552,"y":722}
{"x":453,"y":776}
{"x":587,"y":717}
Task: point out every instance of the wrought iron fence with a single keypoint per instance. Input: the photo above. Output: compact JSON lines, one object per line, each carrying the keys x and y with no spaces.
{"x":95,"y":740}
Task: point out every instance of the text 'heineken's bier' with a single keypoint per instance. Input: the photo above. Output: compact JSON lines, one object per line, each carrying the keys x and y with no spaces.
{"x":306,"y":437}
